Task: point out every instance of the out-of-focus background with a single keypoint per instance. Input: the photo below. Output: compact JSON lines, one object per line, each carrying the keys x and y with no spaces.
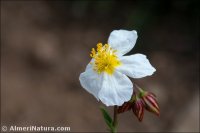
{"x":45,"y":45}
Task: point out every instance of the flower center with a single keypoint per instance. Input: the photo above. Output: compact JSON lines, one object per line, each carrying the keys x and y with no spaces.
{"x":105,"y":59}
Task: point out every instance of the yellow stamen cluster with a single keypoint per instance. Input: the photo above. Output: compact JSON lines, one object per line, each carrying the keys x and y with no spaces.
{"x":105,"y":59}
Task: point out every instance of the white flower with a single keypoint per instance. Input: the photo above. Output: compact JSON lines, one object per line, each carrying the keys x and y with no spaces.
{"x":105,"y":76}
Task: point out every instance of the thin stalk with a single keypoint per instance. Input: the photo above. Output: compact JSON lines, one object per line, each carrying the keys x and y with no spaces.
{"x":115,"y":122}
{"x":140,"y":89}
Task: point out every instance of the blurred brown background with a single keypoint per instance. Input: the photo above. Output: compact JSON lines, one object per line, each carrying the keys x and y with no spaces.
{"x":45,"y":45}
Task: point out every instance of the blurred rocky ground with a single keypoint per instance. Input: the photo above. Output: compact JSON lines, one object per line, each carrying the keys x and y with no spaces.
{"x":45,"y":45}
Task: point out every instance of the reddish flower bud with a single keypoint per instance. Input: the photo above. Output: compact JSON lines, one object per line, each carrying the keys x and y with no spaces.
{"x":139,"y":102}
{"x":138,"y":108}
{"x":125,"y":107}
{"x":151,"y":103}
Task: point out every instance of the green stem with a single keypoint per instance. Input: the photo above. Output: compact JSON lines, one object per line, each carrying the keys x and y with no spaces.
{"x":115,"y":122}
{"x":140,"y":89}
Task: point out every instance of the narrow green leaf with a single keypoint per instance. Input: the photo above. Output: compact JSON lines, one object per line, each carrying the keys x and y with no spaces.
{"x":107,"y":119}
{"x":106,"y":115}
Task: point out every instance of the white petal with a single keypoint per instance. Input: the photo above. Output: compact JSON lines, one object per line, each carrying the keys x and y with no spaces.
{"x":136,"y":66}
{"x":116,"y":89}
{"x":91,"y":81}
{"x":122,"y":40}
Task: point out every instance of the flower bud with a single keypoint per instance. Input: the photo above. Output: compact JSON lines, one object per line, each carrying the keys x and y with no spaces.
{"x":138,"y":108}
{"x":150,"y":102}
{"x":125,"y":107}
